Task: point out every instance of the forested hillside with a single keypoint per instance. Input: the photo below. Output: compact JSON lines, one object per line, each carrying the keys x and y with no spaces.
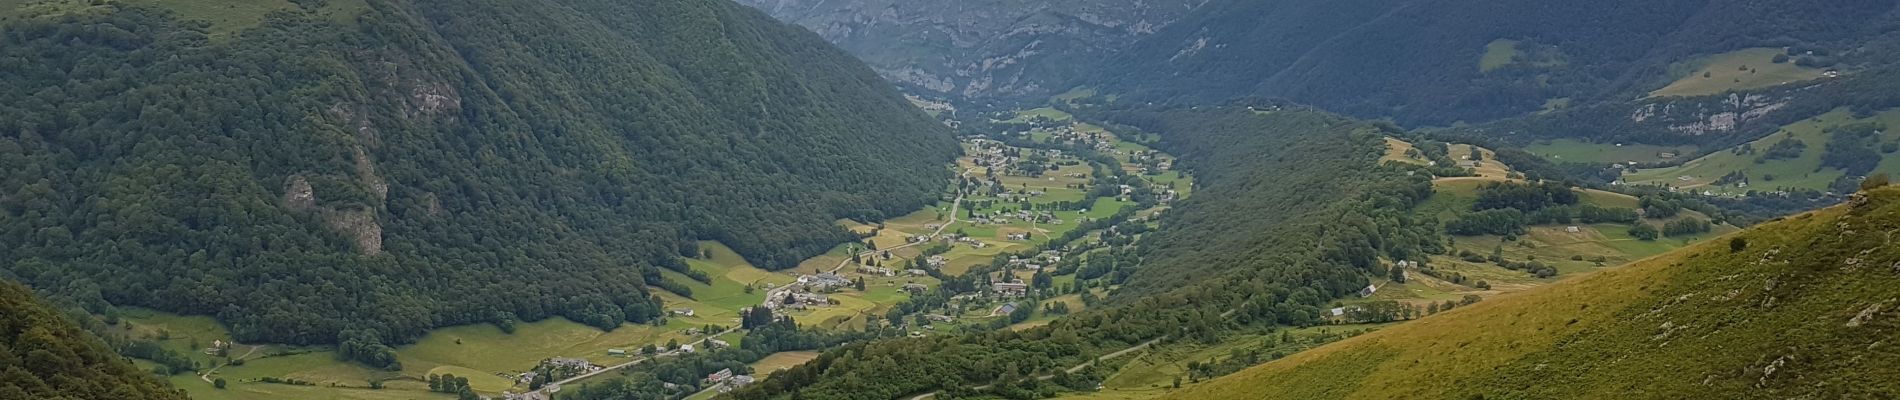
{"x":990,"y":49}
{"x":1274,"y":267}
{"x":363,"y":171}
{"x":45,"y":356}
{"x":1799,"y":308}
{"x":1293,"y":197}
{"x":1441,"y":61}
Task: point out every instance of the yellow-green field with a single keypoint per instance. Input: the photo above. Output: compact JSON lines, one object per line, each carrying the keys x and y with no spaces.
{"x":1572,"y":150}
{"x":1395,"y":150}
{"x":1802,"y":172}
{"x":1497,"y":54}
{"x":1553,"y":245}
{"x":1737,"y":70}
{"x":781,"y":360}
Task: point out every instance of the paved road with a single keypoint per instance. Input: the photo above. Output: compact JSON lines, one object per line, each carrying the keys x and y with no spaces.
{"x":206,"y":376}
{"x":545,"y":391}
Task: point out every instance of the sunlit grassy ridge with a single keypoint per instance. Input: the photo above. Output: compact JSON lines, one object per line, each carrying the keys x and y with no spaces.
{"x":1806,"y":308}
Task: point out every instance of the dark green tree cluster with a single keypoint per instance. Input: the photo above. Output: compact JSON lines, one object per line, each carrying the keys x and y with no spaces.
{"x":1686,"y":226}
{"x":1851,"y":148}
{"x":429,"y":163}
{"x":43,"y":355}
{"x":1526,"y":197}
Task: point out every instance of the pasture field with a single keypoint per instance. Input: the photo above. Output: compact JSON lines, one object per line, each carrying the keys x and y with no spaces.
{"x":1497,"y":54}
{"x":1803,"y":172}
{"x":781,"y":360}
{"x":1572,"y":150}
{"x":1736,"y":70}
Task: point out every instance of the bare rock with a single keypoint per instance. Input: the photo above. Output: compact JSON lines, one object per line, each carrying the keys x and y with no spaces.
{"x":298,"y":195}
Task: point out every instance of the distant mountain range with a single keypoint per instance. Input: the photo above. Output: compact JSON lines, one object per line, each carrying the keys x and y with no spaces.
{"x":981,"y":49}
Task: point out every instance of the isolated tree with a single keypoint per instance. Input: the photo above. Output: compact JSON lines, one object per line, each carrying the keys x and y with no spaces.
{"x":219,"y":383}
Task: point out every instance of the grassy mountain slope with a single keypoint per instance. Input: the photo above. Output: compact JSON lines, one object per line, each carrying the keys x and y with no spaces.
{"x":420,"y":163}
{"x":1801,"y":169}
{"x":1804,"y":307}
{"x":44,"y":355}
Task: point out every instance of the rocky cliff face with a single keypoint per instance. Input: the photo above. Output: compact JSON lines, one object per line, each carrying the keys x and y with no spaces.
{"x":979,"y":49}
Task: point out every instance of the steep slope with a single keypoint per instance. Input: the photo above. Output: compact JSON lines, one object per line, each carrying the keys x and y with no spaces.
{"x":380,"y":168}
{"x":1800,"y":308}
{"x":982,"y":49}
{"x":45,"y":356}
{"x":1424,"y":62}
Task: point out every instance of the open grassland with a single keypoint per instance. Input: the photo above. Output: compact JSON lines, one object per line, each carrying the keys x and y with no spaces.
{"x":1736,"y":70}
{"x":781,"y":360}
{"x":1803,"y":172}
{"x":200,"y":390}
{"x":477,"y":352}
{"x":1572,"y":150}
{"x":1570,"y":253}
{"x":1045,"y":112}
{"x":1153,"y":372}
{"x":1489,"y":167}
{"x":1497,"y":54}
{"x":1395,"y":150}
{"x":1791,"y":312}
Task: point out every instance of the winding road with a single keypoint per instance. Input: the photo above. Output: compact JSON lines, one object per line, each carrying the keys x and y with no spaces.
{"x":954,"y":207}
{"x":206,"y":376}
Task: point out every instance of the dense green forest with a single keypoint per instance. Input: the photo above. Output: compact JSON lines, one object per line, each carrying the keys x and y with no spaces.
{"x":45,"y":356}
{"x":1419,"y":61}
{"x":422,"y":163}
{"x":1291,"y":210}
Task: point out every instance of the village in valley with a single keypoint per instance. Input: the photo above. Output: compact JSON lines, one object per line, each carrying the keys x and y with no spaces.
{"x":1039,"y":222}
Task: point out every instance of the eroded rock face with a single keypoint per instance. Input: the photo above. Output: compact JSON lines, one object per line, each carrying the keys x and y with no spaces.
{"x":1702,"y":118}
{"x":978,"y":51}
{"x":298,"y":195}
{"x":360,"y":226}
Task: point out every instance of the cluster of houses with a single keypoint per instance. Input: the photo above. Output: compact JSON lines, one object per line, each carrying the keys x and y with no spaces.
{"x":727,"y":381}
{"x":1008,"y":290}
{"x":1037,"y":263}
{"x":823,"y":281}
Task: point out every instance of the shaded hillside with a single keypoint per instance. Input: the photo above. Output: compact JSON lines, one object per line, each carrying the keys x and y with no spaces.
{"x":1800,"y":308}
{"x":1436,"y":62}
{"x":1008,"y":49}
{"x":380,"y":168}
{"x":45,"y":356}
